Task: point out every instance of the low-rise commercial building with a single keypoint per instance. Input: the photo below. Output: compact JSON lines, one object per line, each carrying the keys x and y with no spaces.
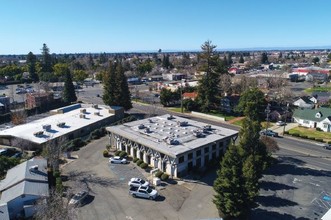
{"x":172,"y":144}
{"x":69,"y":122}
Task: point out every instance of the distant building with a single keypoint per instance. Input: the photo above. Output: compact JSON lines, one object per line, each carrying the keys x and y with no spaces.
{"x":190,"y":95}
{"x":38,"y":99}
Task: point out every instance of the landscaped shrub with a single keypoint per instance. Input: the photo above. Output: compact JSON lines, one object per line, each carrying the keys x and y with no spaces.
{"x":143,"y":165}
{"x":318,"y":129}
{"x":158,"y":174}
{"x":319,"y":139}
{"x":311,"y":138}
{"x":105,"y":153}
{"x":329,"y":142}
{"x":117,"y":153}
{"x":164,"y":176}
{"x":57,"y":174}
{"x":286,"y":132}
{"x":108,"y":147}
{"x":135,"y":159}
{"x":304,"y":136}
{"x":295,"y":134}
{"x":139,"y":162}
{"x":123,"y":154}
{"x":59,"y":186}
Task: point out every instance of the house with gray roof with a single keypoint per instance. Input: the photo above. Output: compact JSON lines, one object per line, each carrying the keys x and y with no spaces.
{"x":305,"y":102}
{"x":23,"y":186}
{"x":314,"y":118}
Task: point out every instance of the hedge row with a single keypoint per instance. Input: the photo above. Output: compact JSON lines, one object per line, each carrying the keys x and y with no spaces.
{"x":305,"y":137}
{"x":161,"y":175}
{"x":121,"y":153}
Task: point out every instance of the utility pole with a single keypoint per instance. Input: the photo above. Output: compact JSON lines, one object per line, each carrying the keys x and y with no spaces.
{"x":285,"y":121}
{"x":267,"y":110}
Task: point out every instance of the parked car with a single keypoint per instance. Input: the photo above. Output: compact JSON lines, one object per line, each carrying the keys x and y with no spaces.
{"x":117,"y":159}
{"x":280,"y":123}
{"x":327,"y":146}
{"x":78,"y":198}
{"x":143,"y":192}
{"x":138,"y":182}
{"x":269,"y":133}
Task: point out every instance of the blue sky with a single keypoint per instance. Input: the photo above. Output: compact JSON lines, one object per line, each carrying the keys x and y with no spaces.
{"x":75,"y":26}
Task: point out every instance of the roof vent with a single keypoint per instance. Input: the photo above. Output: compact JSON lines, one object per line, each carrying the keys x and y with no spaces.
{"x":96,"y":113}
{"x":83,"y":111}
{"x":141,"y":126}
{"x":81,"y":116}
{"x":95,"y":106}
{"x":198,"y":134}
{"x":170,"y":117}
{"x":33,"y":168}
{"x":150,"y":120}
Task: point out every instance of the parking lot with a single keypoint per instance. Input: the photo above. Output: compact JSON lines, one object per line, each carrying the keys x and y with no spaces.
{"x":109,"y":197}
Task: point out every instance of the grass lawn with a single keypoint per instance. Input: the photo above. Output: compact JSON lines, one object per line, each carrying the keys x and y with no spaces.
{"x":318,"y":89}
{"x":175,"y":109}
{"x":310,"y":132}
{"x":222,"y":115}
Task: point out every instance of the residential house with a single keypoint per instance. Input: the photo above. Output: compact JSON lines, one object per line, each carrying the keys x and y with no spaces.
{"x":305,"y":102}
{"x":314,"y":118}
{"x":23,"y":186}
{"x":228,"y":103}
{"x":190,"y":95}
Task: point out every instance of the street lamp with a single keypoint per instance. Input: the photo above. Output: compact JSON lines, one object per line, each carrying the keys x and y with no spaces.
{"x":181,"y":95}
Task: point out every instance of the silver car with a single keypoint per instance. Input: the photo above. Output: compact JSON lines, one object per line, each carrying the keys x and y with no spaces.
{"x":78,"y":198}
{"x":117,"y":159}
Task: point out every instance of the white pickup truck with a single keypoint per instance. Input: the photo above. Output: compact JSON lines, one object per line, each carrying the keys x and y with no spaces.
{"x":143,"y":192}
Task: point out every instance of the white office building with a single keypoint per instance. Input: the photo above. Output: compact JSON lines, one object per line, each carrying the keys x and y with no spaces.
{"x":173,"y":144}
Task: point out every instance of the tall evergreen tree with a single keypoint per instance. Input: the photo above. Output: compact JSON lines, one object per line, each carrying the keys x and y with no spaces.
{"x":46,"y":62}
{"x":109,"y":85}
{"x":116,"y":91}
{"x":31,"y":61}
{"x":69,"y":94}
{"x":241,"y":59}
{"x":231,"y":196}
{"x":166,"y":61}
{"x":264,"y":58}
{"x":122,"y":96}
{"x":255,"y":98}
{"x":208,"y":89}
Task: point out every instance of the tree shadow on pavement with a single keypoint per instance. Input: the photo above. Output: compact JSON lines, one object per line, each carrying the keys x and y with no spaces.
{"x":261,"y":214}
{"x":273,"y":201}
{"x":268,"y":185}
{"x":88,"y":177}
{"x":292,"y":166}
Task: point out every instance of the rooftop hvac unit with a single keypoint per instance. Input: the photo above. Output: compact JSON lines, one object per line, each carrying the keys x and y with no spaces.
{"x":38,"y":133}
{"x":81,"y":116}
{"x":172,"y":141}
{"x":61,"y":124}
{"x":47,"y":127}
{"x":83,"y":111}
{"x":182,"y":123}
{"x":207,"y":127}
{"x":95,"y":106}
{"x":141,"y":126}
{"x":147,"y":130}
{"x":96,"y":113}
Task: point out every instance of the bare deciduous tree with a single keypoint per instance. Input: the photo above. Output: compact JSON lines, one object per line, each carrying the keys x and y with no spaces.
{"x":55,"y":207}
{"x":18,"y":117}
{"x":271,"y":144}
{"x":225,"y":83}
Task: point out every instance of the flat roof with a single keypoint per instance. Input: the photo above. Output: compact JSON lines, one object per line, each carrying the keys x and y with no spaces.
{"x":157,"y":132}
{"x":71,"y":116}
